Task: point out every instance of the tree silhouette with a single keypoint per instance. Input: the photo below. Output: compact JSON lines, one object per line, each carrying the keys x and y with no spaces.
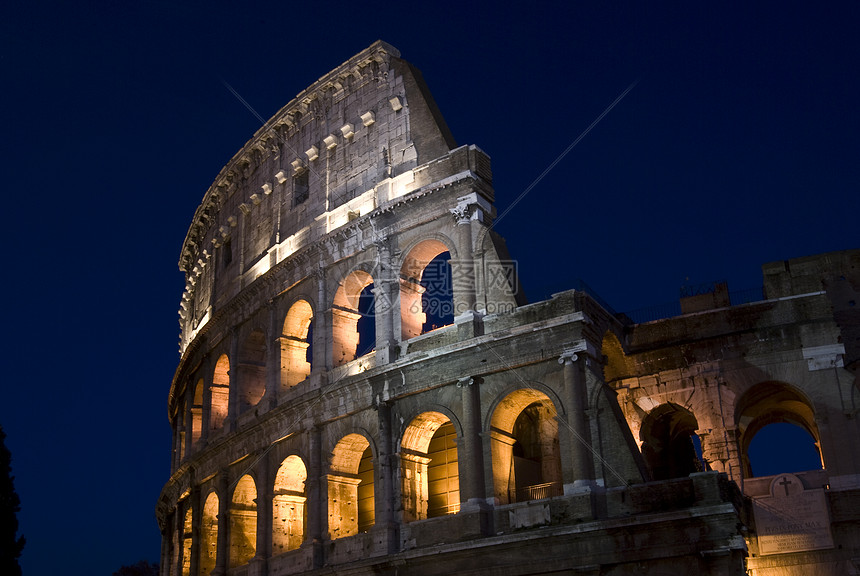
{"x":10,"y":543}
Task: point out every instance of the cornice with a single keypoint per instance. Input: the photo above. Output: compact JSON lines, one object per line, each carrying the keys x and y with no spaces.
{"x":370,"y":63}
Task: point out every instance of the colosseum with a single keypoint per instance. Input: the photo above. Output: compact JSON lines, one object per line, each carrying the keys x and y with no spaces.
{"x":362,"y":388}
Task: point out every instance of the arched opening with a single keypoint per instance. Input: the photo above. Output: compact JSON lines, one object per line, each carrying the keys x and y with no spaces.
{"x":426,"y":289}
{"x":781,"y":448}
{"x":670,"y":445}
{"x":197,"y":413}
{"x":209,"y":534}
{"x":186,"y":543}
{"x":288,"y":505}
{"x":296,"y":344}
{"x":354,"y":293}
{"x":616,"y":364}
{"x":771,"y":403}
{"x":525,"y":448}
{"x":243,"y":522}
{"x":219,"y":393}
{"x":429,"y":475}
{"x":366,"y":325}
{"x":350,"y":487}
{"x":252,"y":370}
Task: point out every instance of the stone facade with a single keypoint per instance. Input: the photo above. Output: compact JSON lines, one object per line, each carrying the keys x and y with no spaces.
{"x":363,"y":390}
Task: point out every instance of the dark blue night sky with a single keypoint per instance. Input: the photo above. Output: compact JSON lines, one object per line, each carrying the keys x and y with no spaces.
{"x":738,"y":145}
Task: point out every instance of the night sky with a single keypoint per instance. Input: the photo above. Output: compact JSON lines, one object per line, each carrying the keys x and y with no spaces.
{"x":738,"y":145}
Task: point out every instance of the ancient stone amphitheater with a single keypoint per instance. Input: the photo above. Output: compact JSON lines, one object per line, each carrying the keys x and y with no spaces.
{"x":363,"y":390}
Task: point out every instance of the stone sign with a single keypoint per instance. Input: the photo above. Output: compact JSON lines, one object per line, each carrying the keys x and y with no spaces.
{"x":792,"y":519}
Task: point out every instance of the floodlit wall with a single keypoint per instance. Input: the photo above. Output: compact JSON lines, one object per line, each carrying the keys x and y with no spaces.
{"x":321,"y":421}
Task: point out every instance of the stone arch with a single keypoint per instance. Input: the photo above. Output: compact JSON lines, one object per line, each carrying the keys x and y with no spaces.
{"x":296,"y":344}
{"x":197,"y":412}
{"x":209,"y":534}
{"x":425,"y":286}
{"x":430,"y":481}
{"x":347,"y":341}
{"x":219,"y":393}
{"x":289,"y":513}
{"x":616,"y":364}
{"x":252,"y":370}
{"x":525,"y":447}
{"x":669,"y":443}
{"x":243,"y":522}
{"x":350,"y":487}
{"x":770,"y":403}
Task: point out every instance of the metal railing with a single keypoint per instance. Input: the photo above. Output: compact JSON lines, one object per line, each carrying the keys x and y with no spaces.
{"x":538,"y":491}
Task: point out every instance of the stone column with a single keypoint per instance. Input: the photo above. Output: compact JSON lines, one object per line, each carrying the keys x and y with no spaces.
{"x":165,"y":548}
{"x":463,"y":269}
{"x":314,"y":492}
{"x":273,"y":359}
{"x":258,"y":564}
{"x":189,"y":419}
{"x":386,"y":292}
{"x":223,"y":524}
{"x":178,"y":529}
{"x":385,"y":505}
{"x":472,"y":461}
{"x":577,"y":400}
{"x":321,"y":363}
{"x":196,"y":519}
{"x":233,"y":401}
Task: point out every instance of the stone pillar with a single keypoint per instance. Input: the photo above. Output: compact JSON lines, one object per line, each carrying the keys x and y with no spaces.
{"x":385,"y":505}
{"x":321,"y":361}
{"x":196,"y":520}
{"x":472,"y":461}
{"x":463,"y":269}
{"x":258,"y":564}
{"x":178,"y":526}
{"x":577,"y":400}
{"x":223,"y":524}
{"x":315,"y":504}
{"x":189,"y":419}
{"x":233,"y":402}
{"x":273,"y":360}
{"x":165,"y":548}
{"x":206,"y":409}
{"x":386,"y":296}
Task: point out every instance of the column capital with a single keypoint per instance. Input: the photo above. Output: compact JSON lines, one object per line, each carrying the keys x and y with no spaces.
{"x":570,"y":352}
{"x":468,"y":381}
{"x":462,"y":213}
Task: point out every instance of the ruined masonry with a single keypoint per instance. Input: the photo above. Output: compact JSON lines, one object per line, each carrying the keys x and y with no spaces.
{"x":362,"y":388}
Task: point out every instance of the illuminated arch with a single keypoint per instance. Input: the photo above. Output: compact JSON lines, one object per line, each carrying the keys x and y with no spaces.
{"x":350,"y":487}
{"x":430,"y":480}
{"x":616,"y":365}
{"x":197,"y":413}
{"x":252,"y":370}
{"x":525,"y":447}
{"x":288,"y":505}
{"x":243,"y":522}
{"x":295,"y":344}
{"x":209,"y":534}
{"x":771,"y":403}
{"x":219,"y":397}
{"x":187,"y":537}
{"x":670,"y":445}
{"x":347,"y":344}
{"x":420,"y":294}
